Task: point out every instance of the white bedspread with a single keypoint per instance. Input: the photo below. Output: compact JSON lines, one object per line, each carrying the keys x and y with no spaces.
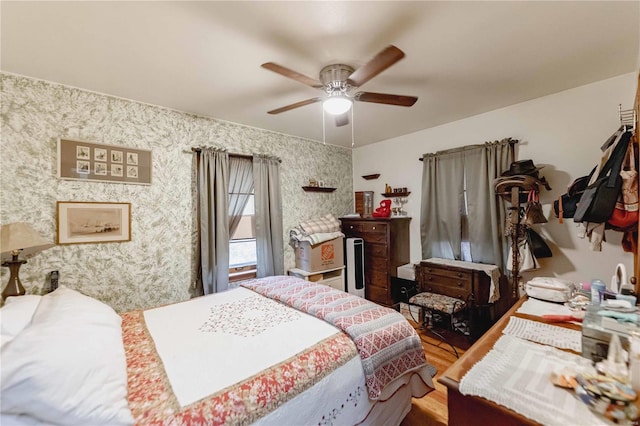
{"x":236,"y":344}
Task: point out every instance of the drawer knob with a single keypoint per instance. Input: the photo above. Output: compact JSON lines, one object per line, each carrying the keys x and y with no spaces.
{"x":373,"y":227}
{"x":351,"y":227}
{"x":429,"y":289}
{"x":460,"y":283}
{"x":459,"y":275}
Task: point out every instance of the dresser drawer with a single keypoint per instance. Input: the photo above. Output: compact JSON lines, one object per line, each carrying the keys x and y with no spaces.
{"x":450,"y":273}
{"x":374,"y":238}
{"x":378,"y":295}
{"x":351,"y":228}
{"x":463,"y":283}
{"x":378,"y":278}
{"x":375,"y":227}
{"x":375,"y":250}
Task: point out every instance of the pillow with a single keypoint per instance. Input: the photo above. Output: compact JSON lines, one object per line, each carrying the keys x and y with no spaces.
{"x":68,"y":366}
{"x":16,"y":314}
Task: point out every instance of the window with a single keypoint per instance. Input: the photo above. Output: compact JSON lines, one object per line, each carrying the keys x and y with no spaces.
{"x":242,"y":244}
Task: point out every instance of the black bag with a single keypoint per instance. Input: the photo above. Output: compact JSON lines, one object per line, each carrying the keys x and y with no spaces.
{"x":538,"y":245}
{"x":565,"y":206}
{"x":599,"y":199}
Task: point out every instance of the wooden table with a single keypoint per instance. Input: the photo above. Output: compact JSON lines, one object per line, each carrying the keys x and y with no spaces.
{"x":474,"y":410}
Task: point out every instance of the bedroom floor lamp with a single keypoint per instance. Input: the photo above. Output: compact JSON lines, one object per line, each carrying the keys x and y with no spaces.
{"x":18,"y":239}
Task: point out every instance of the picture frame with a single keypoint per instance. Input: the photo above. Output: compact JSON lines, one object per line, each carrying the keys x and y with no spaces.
{"x":92,"y":222}
{"x":87,"y":161}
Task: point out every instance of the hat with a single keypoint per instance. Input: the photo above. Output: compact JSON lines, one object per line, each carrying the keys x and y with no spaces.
{"x":527,"y":183}
{"x":522,"y":167}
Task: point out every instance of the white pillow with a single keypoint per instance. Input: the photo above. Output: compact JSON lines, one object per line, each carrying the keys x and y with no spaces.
{"x":68,"y":366}
{"x":16,"y":314}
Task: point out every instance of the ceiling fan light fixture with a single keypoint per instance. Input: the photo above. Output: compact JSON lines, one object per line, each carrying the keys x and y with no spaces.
{"x":337,"y":105}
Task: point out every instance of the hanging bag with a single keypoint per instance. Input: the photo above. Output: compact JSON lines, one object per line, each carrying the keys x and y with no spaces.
{"x":533,"y":212}
{"x":599,"y":199}
{"x":538,"y":245}
{"x":625,"y":213}
{"x":566,"y":204}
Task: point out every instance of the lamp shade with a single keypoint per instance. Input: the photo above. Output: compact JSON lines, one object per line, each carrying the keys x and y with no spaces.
{"x":21,"y":237}
{"x":336,"y":105}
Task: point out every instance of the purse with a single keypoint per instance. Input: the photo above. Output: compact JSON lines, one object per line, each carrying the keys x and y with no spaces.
{"x":533,"y":211}
{"x":526,"y":260}
{"x":599,"y":199}
{"x":625,"y":213}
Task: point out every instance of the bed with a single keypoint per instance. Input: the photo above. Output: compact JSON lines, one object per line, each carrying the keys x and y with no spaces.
{"x":276,"y":350}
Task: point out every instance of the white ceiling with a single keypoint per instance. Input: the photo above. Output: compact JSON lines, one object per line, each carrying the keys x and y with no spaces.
{"x":462,"y":58}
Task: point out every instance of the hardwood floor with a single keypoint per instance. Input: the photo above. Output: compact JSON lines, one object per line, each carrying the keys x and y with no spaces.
{"x":432,"y":409}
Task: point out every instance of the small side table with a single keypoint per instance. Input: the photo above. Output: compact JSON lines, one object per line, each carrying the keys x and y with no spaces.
{"x":331,"y":277}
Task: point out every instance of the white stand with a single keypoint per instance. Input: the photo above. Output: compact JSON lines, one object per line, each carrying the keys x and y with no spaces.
{"x":331,"y":277}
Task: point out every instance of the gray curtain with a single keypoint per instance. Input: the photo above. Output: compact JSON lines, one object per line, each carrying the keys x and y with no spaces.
{"x":486,"y":223}
{"x":213,"y":220}
{"x":444,"y":179}
{"x":268,"y":204}
{"x":441,"y":205}
{"x":240,"y":188}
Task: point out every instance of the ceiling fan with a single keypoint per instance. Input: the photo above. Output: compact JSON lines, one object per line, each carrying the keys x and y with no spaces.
{"x":338,"y":80}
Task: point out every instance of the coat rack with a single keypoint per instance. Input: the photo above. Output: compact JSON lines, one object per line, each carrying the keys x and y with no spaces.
{"x":515,"y":237}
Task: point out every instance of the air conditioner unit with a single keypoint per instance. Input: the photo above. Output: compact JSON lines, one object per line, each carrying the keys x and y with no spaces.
{"x":354,"y":253}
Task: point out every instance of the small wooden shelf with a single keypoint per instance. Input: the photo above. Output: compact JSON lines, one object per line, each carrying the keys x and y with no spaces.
{"x":318,"y":189}
{"x":370,"y":177}
{"x":395,"y":194}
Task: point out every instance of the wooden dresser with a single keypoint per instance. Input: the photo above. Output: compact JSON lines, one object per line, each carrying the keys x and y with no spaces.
{"x":468,"y":282}
{"x":386,"y":246}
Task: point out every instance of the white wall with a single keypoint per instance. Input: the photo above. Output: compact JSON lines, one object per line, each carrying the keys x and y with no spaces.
{"x":563,"y":132}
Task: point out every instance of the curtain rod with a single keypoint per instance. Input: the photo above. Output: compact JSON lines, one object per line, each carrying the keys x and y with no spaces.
{"x":467,"y":147}
{"x":231,"y":154}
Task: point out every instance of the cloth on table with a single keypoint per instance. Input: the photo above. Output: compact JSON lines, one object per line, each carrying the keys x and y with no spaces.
{"x":515,"y":374}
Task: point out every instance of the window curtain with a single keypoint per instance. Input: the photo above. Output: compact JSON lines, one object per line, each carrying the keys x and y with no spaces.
{"x":268,"y":204}
{"x":442,"y":205}
{"x":487,"y":211}
{"x":444,"y":179}
{"x":240,"y":188}
{"x":213,"y":220}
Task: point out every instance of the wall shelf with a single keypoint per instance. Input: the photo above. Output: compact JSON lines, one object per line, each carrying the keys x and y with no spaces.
{"x":370,"y":177}
{"x":395,"y":194}
{"x":318,"y":189}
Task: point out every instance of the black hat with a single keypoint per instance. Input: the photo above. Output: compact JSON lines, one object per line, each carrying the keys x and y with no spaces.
{"x":522,"y":167}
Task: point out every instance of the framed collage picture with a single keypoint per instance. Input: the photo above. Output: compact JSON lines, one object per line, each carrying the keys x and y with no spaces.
{"x":79,"y":160}
{"x":92,"y":222}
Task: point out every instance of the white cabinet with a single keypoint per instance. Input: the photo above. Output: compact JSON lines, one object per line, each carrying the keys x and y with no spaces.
{"x":331,"y":277}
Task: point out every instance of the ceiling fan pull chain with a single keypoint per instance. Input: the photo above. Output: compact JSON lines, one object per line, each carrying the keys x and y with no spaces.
{"x":353,"y":139}
{"x":324,"y":136}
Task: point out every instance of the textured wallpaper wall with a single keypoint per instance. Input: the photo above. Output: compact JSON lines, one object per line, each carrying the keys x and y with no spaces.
{"x":156,"y":267}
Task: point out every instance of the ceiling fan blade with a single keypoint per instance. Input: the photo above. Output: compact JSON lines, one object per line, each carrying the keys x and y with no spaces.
{"x":342,"y":120}
{"x":383,"y":60}
{"x":293,"y":106}
{"x":385,"y":98}
{"x":292,"y":74}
